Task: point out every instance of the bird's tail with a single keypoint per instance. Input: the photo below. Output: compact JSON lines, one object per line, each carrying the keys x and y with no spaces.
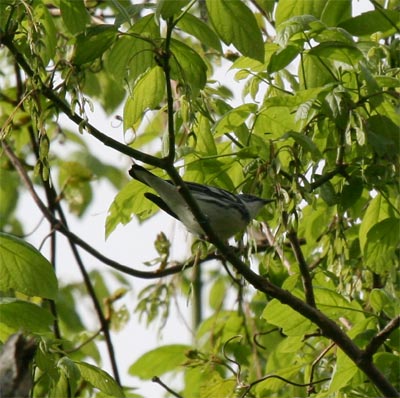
{"x":141,"y":174}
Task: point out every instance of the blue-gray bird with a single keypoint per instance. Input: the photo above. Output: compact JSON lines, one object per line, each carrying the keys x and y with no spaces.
{"x":226,"y":212}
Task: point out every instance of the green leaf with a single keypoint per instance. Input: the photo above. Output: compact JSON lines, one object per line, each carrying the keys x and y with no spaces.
{"x":305,"y":142}
{"x":283,"y":316}
{"x":130,"y":200}
{"x":74,"y":15}
{"x":148,"y":92}
{"x":292,"y":26}
{"x":314,"y":72}
{"x":233,"y":119}
{"x":9,"y":184}
{"x":338,"y":51}
{"x":274,"y":120}
{"x":280,"y":59}
{"x":287,"y":9}
{"x":383,"y":135}
{"x":381,"y":245}
{"x":92,"y":43}
{"x":74,"y":179}
{"x":376,"y":211}
{"x":380,"y":20}
{"x":328,"y":193}
{"x":205,"y":140}
{"x":68,"y":369}
{"x":131,"y":56}
{"x":169,"y":8}
{"x":197,"y":28}
{"x":100,"y":379}
{"x":187,"y":67}
{"x":24,"y":269}
{"x":159,"y":361}
{"x":344,"y":370}
{"x":351,"y":192}
{"x":236,"y":24}
{"x":47,"y":41}
{"x":336,"y":11}
{"x":389,"y":365}
{"x":382,"y":301}
{"x":21,"y":315}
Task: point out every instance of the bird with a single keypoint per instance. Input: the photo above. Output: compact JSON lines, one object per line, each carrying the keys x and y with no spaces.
{"x":226,"y":212}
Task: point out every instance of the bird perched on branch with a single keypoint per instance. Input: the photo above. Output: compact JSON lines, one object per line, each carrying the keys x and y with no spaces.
{"x":226,"y":212}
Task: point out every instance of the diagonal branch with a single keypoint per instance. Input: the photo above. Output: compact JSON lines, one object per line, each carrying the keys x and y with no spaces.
{"x":380,"y":337}
{"x":49,"y":93}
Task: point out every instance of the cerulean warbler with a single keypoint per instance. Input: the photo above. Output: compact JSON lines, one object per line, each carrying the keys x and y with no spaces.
{"x":226,"y":212}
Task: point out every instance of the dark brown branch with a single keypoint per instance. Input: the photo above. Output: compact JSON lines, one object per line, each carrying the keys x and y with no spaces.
{"x":340,"y":169}
{"x":380,"y":338}
{"x":304,"y":271}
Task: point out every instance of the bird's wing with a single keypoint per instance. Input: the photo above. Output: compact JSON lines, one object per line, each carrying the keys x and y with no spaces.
{"x":161,"y":204}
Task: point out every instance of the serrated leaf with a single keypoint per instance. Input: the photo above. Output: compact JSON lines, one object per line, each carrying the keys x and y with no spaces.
{"x":92,"y":43}
{"x":148,"y":92}
{"x":22,"y":315}
{"x":236,"y":24}
{"x":197,"y":28}
{"x":100,"y":379}
{"x":159,"y":361}
{"x":24,"y":269}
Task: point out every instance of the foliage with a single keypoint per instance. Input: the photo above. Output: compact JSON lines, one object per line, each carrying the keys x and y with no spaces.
{"x":317,"y":305}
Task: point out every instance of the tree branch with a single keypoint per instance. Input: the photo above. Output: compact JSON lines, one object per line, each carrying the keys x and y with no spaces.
{"x":64,"y":106}
{"x":304,"y":271}
{"x":380,"y":337}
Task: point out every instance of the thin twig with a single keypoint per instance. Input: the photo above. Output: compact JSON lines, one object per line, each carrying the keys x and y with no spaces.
{"x":304,"y":271}
{"x":251,"y":385}
{"x":157,"y":380}
{"x":272,"y":242}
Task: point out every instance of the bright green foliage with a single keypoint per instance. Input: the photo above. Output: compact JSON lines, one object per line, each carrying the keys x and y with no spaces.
{"x":24,"y":269}
{"x":308,"y":304}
